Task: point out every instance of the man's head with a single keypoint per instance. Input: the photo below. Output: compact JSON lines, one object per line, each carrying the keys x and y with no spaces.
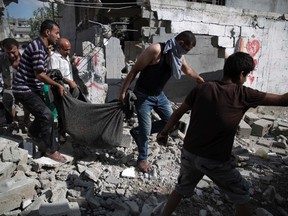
{"x":11,"y":48}
{"x":50,"y":30}
{"x":63,"y":46}
{"x":186,"y":40}
{"x":238,"y":66}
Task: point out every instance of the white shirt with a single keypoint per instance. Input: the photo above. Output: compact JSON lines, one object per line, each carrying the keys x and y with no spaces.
{"x":57,"y":61}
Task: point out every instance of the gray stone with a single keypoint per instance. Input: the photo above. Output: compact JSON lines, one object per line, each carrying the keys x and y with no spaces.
{"x":261,"y":127}
{"x":280,"y":144}
{"x":112,"y":180}
{"x":74,"y":209}
{"x":280,"y":151}
{"x":244,"y":130}
{"x":93,"y":173}
{"x":269,"y":194}
{"x":146,"y":210}
{"x":202,"y":184}
{"x":14,"y":191}
{"x":266,"y":179}
{"x":134,"y":208}
{"x":264,"y":142}
{"x":250,"y":118}
{"x":11,"y":153}
{"x":262,"y":212}
{"x":54,"y":209}
{"x":6,"y":169}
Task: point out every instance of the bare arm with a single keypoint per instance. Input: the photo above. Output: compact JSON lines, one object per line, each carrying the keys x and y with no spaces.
{"x":71,"y":83}
{"x":275,"y":100}
{"x":190,"y":72}
{"x":175,"y":117}
{"x":149,"y":56}
{"x":42,"y":76}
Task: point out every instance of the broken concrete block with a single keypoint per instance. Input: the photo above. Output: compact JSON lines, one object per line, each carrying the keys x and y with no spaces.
{"x":11,"y":153}
{"x":282,"y":130}
{"x":280,"y":151}
{"x":74,"y":209}
{"x":129,"y":172}
{"x":283,"y":123}
{"x":44,"y":162}
{"x":126,"y":139}
{"x":133,"y":206}
{"x":250,"y":118}
{"x":244,"y":130}
{"x":269,"y":117}
{"x":264,"y":142}
{"x":55,"y":209}
{"x":6,"y":169}
{"x":14,"y":191}
{"x":7,"y":142}
{"x":261,"y":127}
{"x":280,"y":144}
{"x":148,"y":31}
{"x":177,"y":133}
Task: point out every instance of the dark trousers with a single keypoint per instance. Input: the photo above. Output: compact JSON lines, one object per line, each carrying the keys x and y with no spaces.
{"x":43,"y":122}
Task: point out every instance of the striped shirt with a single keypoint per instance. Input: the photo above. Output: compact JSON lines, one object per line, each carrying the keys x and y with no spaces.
{"x":34,"y":58}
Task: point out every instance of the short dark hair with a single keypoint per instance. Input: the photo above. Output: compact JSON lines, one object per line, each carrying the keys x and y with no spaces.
{"x":188,"y":37}
{"x":47,"y":25}
{"x":8,"y":43}
{"x":237,"y":63}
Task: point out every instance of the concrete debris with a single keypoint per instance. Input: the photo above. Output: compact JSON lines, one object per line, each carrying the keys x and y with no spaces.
{"x":105,"y":181}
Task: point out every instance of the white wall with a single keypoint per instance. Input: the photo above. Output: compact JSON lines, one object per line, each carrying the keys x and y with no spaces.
{"x":265,"y":38}
{"x":278,"y":6}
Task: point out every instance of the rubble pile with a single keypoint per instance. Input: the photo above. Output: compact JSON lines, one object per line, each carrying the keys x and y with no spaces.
{"x":106,"y":182}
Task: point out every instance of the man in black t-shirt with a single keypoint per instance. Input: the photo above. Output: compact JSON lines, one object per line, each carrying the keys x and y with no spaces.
{"x":156,"y":65}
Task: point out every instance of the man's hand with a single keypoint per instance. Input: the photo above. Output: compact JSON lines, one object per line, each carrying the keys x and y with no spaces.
{"x":199,"y":80}
{"x":72,"y":84}
{"x":162,"y":138}
{"x":61,"y":89}
{"x":122,"y":97}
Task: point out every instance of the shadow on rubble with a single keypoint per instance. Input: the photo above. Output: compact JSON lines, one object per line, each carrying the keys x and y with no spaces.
{"x":267,"y":176}
{"x":103,"y":196}
{"x":6,"y":132}
{"x":112,"y":155}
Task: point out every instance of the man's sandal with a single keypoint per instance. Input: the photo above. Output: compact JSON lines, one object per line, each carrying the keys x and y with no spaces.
{"x":144,"y":166}
{"x":57,"y":157}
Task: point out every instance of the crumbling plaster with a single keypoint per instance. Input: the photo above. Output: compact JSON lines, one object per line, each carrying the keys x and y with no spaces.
{"x":264,"y":35}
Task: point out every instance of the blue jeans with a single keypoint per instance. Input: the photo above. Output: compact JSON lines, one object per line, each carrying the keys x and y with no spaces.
{"x":144,"y":106}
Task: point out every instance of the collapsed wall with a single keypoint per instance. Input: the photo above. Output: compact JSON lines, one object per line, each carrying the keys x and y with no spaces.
{"x":263,"y":35}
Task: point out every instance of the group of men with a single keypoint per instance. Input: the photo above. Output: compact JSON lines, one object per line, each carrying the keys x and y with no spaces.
{"x":217,"y":108}
{"x":25,"y":75}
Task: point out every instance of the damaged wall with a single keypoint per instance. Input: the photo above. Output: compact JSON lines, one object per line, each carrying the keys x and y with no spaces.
{"x":263,"y":35}
{"x":278,"y":6}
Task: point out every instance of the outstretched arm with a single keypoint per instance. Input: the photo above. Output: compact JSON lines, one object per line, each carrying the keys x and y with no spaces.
{"x":190,"y":72}
{"x":162,"y":137}
{"x":275,"y":100}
